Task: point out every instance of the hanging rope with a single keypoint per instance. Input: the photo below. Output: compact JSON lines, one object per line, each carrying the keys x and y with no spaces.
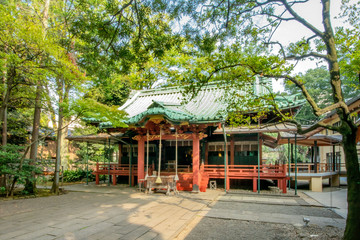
{"x":158,"y":179}
{"x":176,"y":156}
{"x":147,"y":154}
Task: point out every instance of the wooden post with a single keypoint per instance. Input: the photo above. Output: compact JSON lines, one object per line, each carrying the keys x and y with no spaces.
{"x":141,"y":158}
{"x":284,"y":185}
{"x":295,"y":165}
{"x":131,"y":180}
{"x":315,"y":156}
{"x":109,"y":166}
{"x":333,"y":159}
{"x":114,"y":179}
{"x":258,"y":180}
{"x":97,"y":174}
{"x":260,"y":148}
{"x":284,"y":179}
{"x":232,"y":150}
{"x":254,"y":185}
{"x":206,"y":153}
{"x":227,"y":178}
{"x":196,"y":163}
{"x":120,"y":154}
{"x":289,"y":162}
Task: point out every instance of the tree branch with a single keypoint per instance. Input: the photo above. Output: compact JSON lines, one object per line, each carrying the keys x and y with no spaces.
{"x":301,"y":20}
{"x":311,"y":54}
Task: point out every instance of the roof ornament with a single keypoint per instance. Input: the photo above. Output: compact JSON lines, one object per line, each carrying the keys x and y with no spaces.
{"x":158,"y":179}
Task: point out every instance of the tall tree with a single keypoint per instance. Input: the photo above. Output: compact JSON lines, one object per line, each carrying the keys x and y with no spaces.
{"x":27,"y":56}
{"x":238,"y":41}
{"x":30,"y":185}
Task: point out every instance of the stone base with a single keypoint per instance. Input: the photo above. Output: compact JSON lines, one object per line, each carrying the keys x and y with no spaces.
{"x":316,"y":184}
{"x":335,"y":180}
{"x":196,"y":189}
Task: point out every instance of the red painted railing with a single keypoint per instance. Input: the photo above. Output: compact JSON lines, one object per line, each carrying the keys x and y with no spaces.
{"x":123,"y":169}
{"x":115,"y":168}
{"x":181,"y":168}
{"x":246,"y":171}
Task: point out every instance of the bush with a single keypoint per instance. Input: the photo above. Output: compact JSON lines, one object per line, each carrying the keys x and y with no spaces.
{"x":14,"y":167}
{"x":77,"y":175}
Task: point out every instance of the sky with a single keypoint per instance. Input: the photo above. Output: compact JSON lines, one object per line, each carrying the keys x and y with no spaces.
{"x":291,"y":32}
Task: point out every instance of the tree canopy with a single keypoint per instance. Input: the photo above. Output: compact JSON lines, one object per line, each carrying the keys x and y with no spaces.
{"x":81,"y":57}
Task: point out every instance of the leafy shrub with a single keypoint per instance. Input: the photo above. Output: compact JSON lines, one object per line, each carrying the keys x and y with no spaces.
{"x":14,"y":167}
{"x":77,"y":175}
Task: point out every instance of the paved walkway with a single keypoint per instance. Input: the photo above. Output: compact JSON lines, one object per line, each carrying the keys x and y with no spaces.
{"x":113,"y":212}
{"x":335,"y":199}
{"x":286,"y":210}
{"x":100,"y":213}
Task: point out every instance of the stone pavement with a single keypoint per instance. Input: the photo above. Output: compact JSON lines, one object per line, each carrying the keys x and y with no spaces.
{"x":334,"y":198}
{"x":114,"y":212}
{"x":100,"y":213}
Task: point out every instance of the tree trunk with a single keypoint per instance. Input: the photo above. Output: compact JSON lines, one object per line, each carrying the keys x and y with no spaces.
{"x":353,"y":181}
{"x":4,"y":126}
{"x":51,"y":109}
{"x":4,"y":106}
{"x":55,"y":186}
{"x":30,"y":185}
{"x":64,"y":146}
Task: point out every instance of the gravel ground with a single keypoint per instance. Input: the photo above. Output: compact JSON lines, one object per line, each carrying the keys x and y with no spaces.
{"x":213,"y":228}
{"x":281,"y":209}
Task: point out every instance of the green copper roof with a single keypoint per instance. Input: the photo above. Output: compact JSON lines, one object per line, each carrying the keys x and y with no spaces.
{"x":170,"y":103}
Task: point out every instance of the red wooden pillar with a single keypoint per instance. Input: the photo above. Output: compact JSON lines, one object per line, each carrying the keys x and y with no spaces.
{"x":114,"y":179}
{"x":97,"y":174}
{"x":284,"y":185}
{"x":141,"y":158}
{"x":284,"y":179}
{"x":254,"y":185}
{"x":196,"y":163}
{"x":227,"y":178}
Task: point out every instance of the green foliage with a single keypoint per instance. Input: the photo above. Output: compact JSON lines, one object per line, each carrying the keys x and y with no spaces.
{"x":94,"y":152}
{"x":77,"y":175}
{"x":18,"y":119}
{"x":95,"y":111}
{"x":317,"y":82}
{"x":348,"y":43}
{"x":244,"y":33}
{"x":14,"y":167}
{"x":119,"y":37}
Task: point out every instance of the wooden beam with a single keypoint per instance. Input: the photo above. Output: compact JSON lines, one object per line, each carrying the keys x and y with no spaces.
{"x":183,"y":136}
